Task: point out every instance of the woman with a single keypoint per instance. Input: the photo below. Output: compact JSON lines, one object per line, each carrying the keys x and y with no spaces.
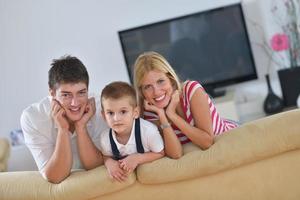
{"x":184,"y":112}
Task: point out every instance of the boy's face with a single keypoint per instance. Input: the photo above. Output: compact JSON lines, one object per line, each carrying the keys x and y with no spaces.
{"x":119,"y":114}
{"x":73,"y":97}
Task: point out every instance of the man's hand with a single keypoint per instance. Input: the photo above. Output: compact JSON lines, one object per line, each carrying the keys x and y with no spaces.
{"x":90,"y":110}
{"x":130,"y":162}
{"x":59,"y":164}
{"x":58,"y":114}
{"x":114,"y":170}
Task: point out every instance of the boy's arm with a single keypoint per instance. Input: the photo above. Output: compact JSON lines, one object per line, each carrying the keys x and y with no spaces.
{"x":132,"y":161}
{"x":114,"y":169}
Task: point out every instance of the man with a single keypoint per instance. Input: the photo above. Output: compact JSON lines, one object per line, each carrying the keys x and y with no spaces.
{"x":61,"y":130}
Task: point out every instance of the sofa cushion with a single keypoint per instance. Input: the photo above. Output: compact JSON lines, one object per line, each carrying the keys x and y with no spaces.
{"x":246,"y":144}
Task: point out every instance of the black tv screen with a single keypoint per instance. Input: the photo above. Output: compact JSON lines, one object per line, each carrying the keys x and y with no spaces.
{"x":211,"y":46}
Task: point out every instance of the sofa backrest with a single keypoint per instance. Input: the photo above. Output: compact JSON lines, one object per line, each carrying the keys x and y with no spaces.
{"x":246,"y":144}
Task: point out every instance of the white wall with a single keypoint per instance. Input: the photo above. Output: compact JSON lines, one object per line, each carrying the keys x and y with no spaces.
{"x":33,"y":32}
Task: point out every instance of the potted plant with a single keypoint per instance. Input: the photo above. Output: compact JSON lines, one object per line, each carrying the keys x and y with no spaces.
{"x":287,"y":41}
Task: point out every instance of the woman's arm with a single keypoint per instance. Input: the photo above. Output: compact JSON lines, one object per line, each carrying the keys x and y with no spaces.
{"x":202,"y":133}
{"x":173,"y":147}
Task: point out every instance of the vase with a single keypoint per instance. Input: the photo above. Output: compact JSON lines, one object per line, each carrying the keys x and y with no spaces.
{"x":290,"y":85}
{"x":272,"y":104}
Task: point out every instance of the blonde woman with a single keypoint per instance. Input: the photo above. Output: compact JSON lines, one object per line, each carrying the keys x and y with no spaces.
{"x":183,"y":111}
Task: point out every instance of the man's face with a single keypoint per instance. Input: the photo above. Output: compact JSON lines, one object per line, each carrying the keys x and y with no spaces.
{"x":73,"y":97}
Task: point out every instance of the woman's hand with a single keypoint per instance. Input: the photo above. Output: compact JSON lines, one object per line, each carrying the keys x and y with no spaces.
{"x":152,"y":108}
{"x":175,"y":99}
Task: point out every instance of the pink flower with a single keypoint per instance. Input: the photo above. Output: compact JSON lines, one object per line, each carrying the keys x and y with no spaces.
{"x":280,"y":42}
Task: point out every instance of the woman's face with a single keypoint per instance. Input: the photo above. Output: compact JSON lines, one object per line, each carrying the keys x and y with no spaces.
{"x":157,"y":88}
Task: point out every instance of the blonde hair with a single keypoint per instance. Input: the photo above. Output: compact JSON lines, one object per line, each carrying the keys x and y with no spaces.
{"x":150,"y":61}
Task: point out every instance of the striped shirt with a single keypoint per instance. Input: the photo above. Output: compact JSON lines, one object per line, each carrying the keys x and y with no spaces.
{"x":220,"y":125}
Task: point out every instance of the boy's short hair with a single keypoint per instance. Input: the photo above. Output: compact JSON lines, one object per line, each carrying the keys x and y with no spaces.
{"x":67,"y":69}
{"x":117,"y":90}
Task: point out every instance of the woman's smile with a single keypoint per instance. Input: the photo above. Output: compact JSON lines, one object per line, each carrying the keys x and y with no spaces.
{"x":157,"y":88}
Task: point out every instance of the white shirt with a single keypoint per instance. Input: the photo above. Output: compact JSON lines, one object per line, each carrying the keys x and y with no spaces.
{"x":40,"y":132}
{"x":151,"y":140}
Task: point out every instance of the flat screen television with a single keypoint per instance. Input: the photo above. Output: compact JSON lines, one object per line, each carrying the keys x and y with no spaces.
{"x":211,"y":46}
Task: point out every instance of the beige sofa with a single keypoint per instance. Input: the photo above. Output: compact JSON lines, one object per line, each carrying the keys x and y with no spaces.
{"x":259,"y":160}
{"x":4,"y":154}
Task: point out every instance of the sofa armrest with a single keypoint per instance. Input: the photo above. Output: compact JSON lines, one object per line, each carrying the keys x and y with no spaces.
{"x":4,"y":153}
{"x":246,"y":144}
{"x":79,"y":185}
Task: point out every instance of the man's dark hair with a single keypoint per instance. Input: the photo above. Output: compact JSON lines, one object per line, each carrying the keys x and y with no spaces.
{"x":67,"y":69}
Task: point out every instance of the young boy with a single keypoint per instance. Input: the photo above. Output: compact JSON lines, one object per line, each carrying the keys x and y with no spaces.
{"x":130,"y":141}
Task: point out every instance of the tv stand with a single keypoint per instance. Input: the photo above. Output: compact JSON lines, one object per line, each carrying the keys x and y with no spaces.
{"x":215,"y":93}
{"x":226,"y":106}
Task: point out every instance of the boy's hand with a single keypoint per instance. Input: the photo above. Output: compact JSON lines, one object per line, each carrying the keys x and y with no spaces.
{"x":58,"y":114}
{"x":130,"y":162}
{"x":90,"y":110}
{"x":114,"y":170}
